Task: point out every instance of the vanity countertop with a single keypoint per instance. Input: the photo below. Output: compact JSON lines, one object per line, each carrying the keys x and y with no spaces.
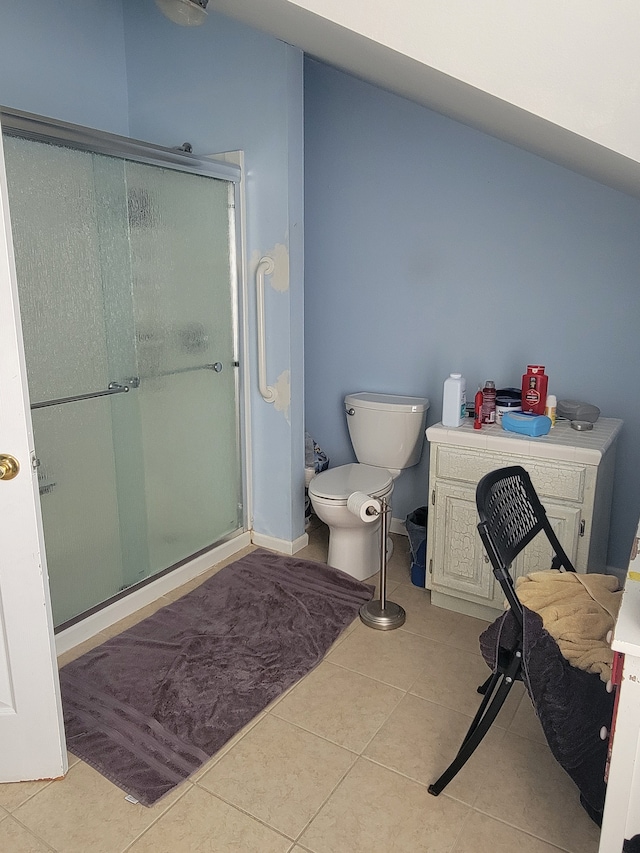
{"x":563,"y":442}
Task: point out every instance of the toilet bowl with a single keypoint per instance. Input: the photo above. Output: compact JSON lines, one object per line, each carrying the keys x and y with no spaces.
{"x":387,"y":434}
{"x":354,"y":545}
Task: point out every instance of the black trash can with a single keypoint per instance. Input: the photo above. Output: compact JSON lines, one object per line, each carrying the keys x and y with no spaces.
{"x":416,"y":524}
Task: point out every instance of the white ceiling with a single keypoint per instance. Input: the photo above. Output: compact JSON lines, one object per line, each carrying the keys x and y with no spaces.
{"x":392,"y":70}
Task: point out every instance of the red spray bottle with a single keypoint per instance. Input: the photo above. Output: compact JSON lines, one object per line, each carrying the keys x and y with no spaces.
{"x":477,"y":414}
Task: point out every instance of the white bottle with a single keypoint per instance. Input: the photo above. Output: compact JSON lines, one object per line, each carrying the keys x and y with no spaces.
{"x":550,"y":408}
{"x":454,"y":400}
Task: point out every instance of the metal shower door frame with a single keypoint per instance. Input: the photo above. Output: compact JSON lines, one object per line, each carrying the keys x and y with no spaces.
{"x":47,"y":130}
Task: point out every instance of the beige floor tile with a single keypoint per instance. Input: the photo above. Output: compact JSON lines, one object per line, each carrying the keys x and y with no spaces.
{"x":85,"y":812}
{"x":14,"y":838}
{"x":81,"y":649}
{"x":279,"y":773}
{"x":420,"y":739}
{"x":451,"y":678}
{"x":482,"y":834}
{"x":228,"y":746}
{"x":392,"y":586}
{"x":445,"y":626}
{"x":376,"y":809}
{"x":344,"y":707}
{"x":526,"y":723}
{"x":318,"y":546}
{"x":399,"y":566}
{"x":297,"y":763}
{"x":201,"y":823}
{"x":395,"y":657}
{"x":14,"y":794}
{"x":526,"y":785}
{"x":71,"y":759}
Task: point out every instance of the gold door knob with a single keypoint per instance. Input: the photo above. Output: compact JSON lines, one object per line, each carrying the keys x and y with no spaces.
{"x":9,"y":467}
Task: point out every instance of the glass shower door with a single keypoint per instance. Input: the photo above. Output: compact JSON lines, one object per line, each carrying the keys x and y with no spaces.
{"x":125,"y":280}
{"x":184,"y":321}
{"x":57,"y":238}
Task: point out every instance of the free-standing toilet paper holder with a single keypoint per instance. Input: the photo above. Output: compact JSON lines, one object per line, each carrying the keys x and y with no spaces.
{"x":382,"y":614}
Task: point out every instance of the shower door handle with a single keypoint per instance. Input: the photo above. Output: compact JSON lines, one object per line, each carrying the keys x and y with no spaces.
{"x":112,"y":388}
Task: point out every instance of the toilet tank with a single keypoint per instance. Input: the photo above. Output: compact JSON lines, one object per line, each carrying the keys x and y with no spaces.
{"x":386,"y":430}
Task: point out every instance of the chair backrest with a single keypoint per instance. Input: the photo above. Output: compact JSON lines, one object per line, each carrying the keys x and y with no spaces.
{"x":511,"y":515}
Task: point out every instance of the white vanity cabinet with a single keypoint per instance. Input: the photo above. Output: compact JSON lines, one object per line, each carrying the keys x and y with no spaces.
{"x":572,"y":473}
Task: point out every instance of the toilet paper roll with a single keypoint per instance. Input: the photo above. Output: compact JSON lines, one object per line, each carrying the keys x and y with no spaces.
{"x":365,"y":507}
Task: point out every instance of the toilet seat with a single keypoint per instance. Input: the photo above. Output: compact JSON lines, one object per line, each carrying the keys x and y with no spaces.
{"x":336,"y":484}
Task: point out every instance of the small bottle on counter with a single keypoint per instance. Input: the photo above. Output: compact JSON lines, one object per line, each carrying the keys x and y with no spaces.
{"x":489,"y":402}
{"x":477,"y":414}
{"x":454,"y":400}
{"x":550,"y":408}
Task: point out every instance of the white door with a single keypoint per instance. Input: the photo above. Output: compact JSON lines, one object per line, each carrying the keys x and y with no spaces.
{"x":32,"y":744}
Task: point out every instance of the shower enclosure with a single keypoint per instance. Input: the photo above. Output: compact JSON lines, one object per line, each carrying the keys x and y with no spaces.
{"x":125,"y":258}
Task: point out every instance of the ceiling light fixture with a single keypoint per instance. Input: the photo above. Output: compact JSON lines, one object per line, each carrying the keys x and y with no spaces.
{"x":187,"y":13}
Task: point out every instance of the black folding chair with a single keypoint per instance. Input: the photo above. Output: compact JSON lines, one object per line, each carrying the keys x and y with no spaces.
{"x":511,"y":515}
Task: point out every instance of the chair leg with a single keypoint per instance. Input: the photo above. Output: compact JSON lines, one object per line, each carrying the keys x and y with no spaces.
{"x":488,"y":689}
{"x":481,"y":723}
{"x":484,"y":687}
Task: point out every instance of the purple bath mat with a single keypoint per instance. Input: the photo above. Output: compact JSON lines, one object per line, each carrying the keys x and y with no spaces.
{"x":150,"y":706}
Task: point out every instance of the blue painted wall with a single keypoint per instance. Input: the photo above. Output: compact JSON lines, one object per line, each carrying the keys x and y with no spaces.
{"x":431,"y":247}
{"x":224,"y":86}
{"x":124,"y":68}
{"x":66,"y":60}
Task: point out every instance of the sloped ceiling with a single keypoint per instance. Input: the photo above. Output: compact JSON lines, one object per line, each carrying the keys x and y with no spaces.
{"x":396,"y":72}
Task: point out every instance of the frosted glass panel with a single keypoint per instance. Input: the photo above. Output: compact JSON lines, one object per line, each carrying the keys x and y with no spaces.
{"x":184,"y":322}
{"x":124,"y":274}
{"x":79,"y":506}
{"x":56,"y":240}
{"x":56,"y":233}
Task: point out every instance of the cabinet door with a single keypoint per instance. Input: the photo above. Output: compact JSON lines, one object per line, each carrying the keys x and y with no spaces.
{"x":459,"y":563}
{"x":537,"y":556}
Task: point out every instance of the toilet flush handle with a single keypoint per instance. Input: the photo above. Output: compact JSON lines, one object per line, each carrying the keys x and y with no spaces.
{"x":351,"y":411}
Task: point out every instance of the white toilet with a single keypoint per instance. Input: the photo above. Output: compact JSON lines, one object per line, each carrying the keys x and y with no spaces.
{"x":387,"y":434}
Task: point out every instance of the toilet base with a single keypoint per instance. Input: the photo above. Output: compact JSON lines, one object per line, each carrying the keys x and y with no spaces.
{"x":355,"y":551}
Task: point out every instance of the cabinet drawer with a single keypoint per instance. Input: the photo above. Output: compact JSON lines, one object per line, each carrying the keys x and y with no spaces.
{"x":554,"y":479}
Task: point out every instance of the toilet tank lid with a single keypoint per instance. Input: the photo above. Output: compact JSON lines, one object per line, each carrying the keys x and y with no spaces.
{"x":390,"y":402}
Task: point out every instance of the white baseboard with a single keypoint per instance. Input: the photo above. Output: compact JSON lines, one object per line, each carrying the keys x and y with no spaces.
{"x":282,"y":546}
{"x":112,"y":613}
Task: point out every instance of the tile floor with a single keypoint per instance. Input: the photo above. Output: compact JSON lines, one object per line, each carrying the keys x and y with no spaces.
{"x":340,"y":764}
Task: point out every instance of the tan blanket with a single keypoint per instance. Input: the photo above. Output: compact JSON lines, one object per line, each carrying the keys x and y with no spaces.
{"x":578,"y":611}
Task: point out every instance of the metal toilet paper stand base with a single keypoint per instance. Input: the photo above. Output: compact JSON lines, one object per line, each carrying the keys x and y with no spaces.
{"x":382,"y":614}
